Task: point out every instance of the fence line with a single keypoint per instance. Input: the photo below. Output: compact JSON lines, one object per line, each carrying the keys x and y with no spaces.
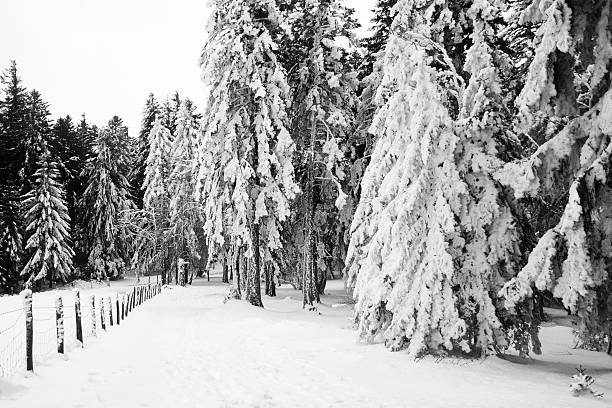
{"x":33,"y":334}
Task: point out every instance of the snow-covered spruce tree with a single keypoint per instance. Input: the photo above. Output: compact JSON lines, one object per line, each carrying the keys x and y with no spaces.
{"x":322,"y":112}
{"x":123,"y":147}
{"x":245,"y":172}
{"x":48,"y":227}
{"x":13,"y":129}
{"x":432,"y":239}
{"x":38,"y":134}
{"x":370,"y":75}
{"x":567,"y":102}
{"x":184,"y":214}
{"x":137,"y":176}
{"x":169,"y":112}
{"x":103,"y":204}
{"x":156,"y":201}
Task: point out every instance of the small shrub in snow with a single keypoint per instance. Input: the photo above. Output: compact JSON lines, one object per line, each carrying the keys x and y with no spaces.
{"x":582,"y":384}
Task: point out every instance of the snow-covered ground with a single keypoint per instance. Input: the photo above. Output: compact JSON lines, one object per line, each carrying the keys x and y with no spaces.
{"x":185,"y":348}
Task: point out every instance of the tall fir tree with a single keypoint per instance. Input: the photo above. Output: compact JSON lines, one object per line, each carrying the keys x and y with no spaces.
{"x":156,"y":199}
{"x":123,"y":147}
{"x":149,"y":115}
{"x":38,"y":135}
{"x":48,"y":226}
{"x":246,"y":179}
{"x":324,"y":101}
{"x":169,"y":112}
{"x":61,"y":146}
{"x":13,"y":131}
{"x":184,"y":215}
{"x":105,"y":201}
{"x":83,"y":153}
{"x":370,"y":74}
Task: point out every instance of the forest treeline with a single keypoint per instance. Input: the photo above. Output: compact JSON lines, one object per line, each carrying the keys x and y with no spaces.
{"x":453,"y":166}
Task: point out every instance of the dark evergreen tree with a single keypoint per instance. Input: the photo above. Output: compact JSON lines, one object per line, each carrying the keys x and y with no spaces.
{"x":381,"y":26}
{"x":60,"y":148}
{"x":82,"y":152}
{"x":13,"y":131}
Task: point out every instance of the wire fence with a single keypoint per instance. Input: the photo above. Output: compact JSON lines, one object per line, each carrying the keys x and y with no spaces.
{"x":59,"y":328}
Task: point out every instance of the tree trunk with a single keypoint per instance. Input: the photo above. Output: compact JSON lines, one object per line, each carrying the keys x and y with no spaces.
{"x":225,"y":277}
{"x":236,"y":270}
{"x":270,"y":284}
{"x":243,"y":266}
{"x":253,"y":284}
{"x":309,"y":281}
{"x":321,"y":283}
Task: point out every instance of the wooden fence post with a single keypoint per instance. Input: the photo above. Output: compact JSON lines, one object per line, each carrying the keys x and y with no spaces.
{"x":127,"y":305}
{"x":59,"y":323}
{"x":92,"y":305}
{"x":110,"y":311}
{"x":118,"y":315}
{"x":122,"y":307}
{"x":77,"y":316}
{"x":29,"y":321}
{"x":134,"y":298}
{"x":102,"y":314}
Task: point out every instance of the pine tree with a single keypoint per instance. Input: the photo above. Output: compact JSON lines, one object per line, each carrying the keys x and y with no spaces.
{"x":156,"y":199}
{"x":13,"y":131}
{"x":245,"y":177}
{"x":63,"y":138}
{"x":169,"y":113}
{"x":48,"y":226}
{"x":149,"y":115}
{"x":104,"y":203}
{"x":83,"y":153}
{"x":183,"y":211}
{"x":433,"y":239}
{"x":38,"y":135}
{"x":370,"y":74}
{"x":566,"y":103}
{"x":123,"y":148}
{"x":324,"y":100}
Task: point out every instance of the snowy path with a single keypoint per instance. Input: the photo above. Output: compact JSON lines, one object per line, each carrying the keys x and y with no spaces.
{"x":185,"y":348}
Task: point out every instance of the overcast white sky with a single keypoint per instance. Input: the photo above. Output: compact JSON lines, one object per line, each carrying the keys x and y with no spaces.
{"x":103,"y":57}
